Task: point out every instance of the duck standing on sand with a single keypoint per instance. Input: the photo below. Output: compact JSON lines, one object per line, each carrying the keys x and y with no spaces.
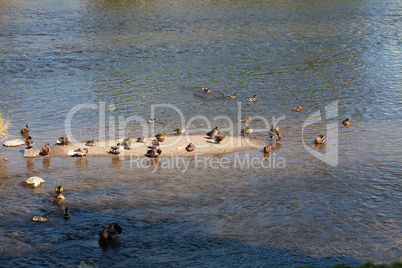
{"x":346,"y":122}
{"x":253,"y":99}
{"x":247,"y":131}
{"x":118,"y":149}
{"x":46,"y":150}
{"x":90,"y":143}
{"x":63,"y":140}
{"x":25,"y":130}
{"x":127,"y":144}
{"x":179,"y":130}
{"x":190,"y":147}
{"x":29,"y":142}
{"x":81,"y":152}
{"x":154,"y":152}
{"x":320,"y":139}
{"x":218,"y":138}
{"x":141,"y":139}
{"x":213,"y":132}
{"x":161,"y":137}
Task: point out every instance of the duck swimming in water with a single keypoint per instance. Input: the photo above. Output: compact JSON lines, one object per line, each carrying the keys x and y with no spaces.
{"x":320,"y":139}
{"x":232,"y":96}
{"x":253,"y":99}
{"x":248,"y":118}
{"x":58,"y":191}
{"x":152,"y":120}
{"x":25,"y":130}
{"x":297,"y":109}
{"x":346,"y":122}
{"x":115,"y":228}
{"x":66,"y":213}
{"x":206,"y":90}
{"x":267,"y":148}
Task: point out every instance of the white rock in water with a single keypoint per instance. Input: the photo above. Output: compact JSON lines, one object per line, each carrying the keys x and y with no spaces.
{"x":34,"y":152}
{"x":40,"y":218}
{"x":34,"y":181}
{"x":87,"y":264}
{"x":14,"y":143}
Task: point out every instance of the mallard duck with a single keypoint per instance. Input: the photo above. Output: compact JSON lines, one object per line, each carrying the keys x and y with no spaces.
{"x":141,"y":139}
{"x":320,"y":139}
{"x":104,"y":235}
{"x":346,"y":122}
{"x":63,"y":140}
{"x":127,"y":144}
{"x":253,"y":99}
{"x":46,"y":150}
{"x":119,"y":148}
{"x":66,"y":214}
{"x":248,"y":118}
{"x":213,"y":132}
{"x":81,"y":152}
{"x":274,"y":129}
{"x":29,"y":142}
{"x":155,"y":143}
{"x":190,"y":147}
{"x":232,"y":96}
{"x":179,"y":130}
{"x":67,"y":139}
{"x":152,"y":120}
{"x":276,"y":136}
{"x":247,"y":131}
{"x":206,"y":90}
{"x":218,"y":138}
{"x":58,"y":191}
{"x":25,"y":130}
{"x":267,"y":148}
{"x":297,"y":109}
{"x":114,"y":228}
{"x":154,"y":152}
{"x":161,"y":137}
{"x":90,"y":143}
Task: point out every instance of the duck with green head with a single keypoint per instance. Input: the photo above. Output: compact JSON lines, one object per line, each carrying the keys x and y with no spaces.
{"x":25,"y":130}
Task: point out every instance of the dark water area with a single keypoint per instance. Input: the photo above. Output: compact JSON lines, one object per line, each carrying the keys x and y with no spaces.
{"x":101,"y":68}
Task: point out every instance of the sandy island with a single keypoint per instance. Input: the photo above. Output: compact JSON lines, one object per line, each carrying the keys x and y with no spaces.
{"x":173,"y":146}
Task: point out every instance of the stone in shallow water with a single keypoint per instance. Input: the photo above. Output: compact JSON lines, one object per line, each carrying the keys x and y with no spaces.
{"x":34,"y":181}
{"x":14,"y":143}
{"x":87,"y":264}
{"x":31,"y":152}
{"x":40,"y":218}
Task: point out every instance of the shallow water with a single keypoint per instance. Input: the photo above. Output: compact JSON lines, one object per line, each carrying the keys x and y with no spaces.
{"x":125,"y":57}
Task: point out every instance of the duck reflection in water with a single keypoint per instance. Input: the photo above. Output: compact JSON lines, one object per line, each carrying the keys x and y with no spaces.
{"x":116,"y":161}
{"x":46,"y":162}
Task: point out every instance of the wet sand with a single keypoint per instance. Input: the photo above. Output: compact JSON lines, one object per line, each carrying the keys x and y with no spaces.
{"x":173,"y":146}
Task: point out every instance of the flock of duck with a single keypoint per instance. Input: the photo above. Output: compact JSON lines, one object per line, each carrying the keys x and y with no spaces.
{"x":153,"y":151}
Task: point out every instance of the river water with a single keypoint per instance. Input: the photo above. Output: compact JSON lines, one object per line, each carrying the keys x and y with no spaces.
{"x":100,"y":68}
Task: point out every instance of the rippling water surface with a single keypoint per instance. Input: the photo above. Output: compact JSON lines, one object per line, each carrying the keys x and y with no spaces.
{"x":125,"y":57}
